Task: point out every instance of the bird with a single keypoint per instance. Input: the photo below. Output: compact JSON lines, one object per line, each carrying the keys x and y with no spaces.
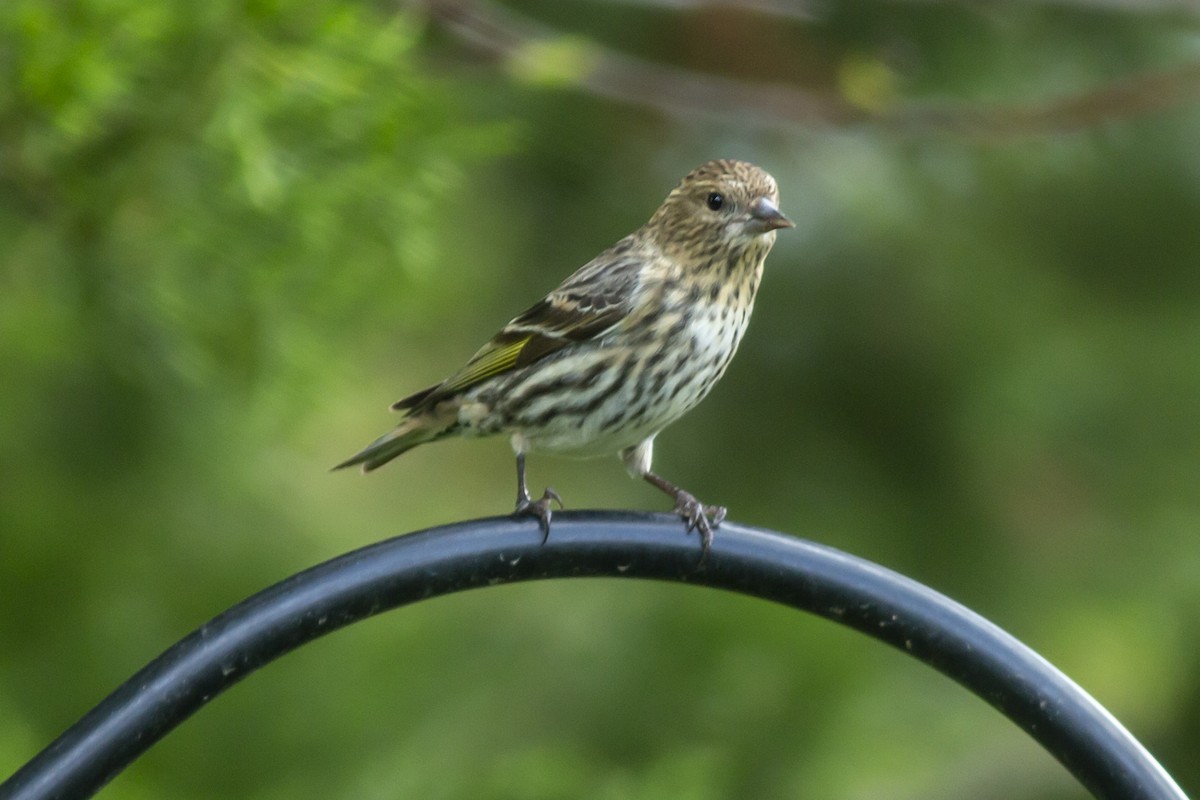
{"x":622,"y":348}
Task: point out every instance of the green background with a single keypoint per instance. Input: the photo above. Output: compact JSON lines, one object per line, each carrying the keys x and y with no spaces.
{"x":232,"y":232}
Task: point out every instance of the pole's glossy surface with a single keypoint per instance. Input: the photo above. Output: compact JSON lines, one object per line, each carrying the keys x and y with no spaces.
{"x":954,"y":640}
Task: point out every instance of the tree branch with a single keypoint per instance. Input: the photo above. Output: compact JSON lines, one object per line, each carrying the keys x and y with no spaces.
{"x":544,"y":55}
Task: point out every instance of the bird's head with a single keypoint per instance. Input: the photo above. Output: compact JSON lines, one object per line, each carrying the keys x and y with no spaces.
{"x":723,"y":202}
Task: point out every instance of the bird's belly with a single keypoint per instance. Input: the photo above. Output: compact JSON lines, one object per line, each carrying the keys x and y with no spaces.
{"x":604,"y":399}
{"x":575,"y":410}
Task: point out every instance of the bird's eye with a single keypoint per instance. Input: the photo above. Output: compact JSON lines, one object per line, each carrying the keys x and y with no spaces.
{"x":715,"y":201}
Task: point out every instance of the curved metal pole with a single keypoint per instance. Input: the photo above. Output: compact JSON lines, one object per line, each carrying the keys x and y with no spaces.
{"x":954,"y":640}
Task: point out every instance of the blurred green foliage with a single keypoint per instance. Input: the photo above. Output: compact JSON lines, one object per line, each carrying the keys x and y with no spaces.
{"x":231,"y":232}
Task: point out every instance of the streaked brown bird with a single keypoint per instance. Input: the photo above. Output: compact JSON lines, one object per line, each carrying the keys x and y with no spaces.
{"x":624,"y":347}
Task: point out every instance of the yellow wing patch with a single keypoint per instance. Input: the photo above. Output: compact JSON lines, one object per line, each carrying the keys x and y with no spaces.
{"x":493,"y":359}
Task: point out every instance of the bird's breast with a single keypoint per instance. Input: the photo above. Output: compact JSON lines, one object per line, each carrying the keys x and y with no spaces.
{"x":625,"y":386}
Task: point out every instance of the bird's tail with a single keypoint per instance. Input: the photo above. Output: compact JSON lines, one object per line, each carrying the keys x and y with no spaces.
{"x":411,"y":431}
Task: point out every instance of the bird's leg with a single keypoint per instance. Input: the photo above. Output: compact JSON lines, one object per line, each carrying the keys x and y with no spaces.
{"x":539,"y":508}
{"x":699,"y":517}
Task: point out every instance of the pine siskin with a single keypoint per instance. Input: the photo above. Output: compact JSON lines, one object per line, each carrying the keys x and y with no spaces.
{"x":624,"y":347}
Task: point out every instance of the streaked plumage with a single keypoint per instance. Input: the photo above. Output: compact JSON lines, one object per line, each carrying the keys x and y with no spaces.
{"x":624,"y":347}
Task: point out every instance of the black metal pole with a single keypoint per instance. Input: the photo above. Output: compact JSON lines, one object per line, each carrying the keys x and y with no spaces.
{"x":1101,"y":754}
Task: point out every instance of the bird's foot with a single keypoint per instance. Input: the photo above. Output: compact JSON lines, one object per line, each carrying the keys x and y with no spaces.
{"x":540,"y":508}
{"x":700,"y":518}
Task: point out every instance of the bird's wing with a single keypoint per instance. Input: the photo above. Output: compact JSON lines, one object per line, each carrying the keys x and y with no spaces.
{"x":587,"y":305}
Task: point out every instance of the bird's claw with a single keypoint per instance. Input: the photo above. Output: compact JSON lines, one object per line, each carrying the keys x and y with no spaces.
{"x":539,"y":508}
{"x":700,"y":518}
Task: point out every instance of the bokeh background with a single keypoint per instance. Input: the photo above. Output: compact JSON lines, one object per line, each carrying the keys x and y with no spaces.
{"x":232,"y":232}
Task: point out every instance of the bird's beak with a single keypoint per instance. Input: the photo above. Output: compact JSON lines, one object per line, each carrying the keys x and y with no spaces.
{"x":764,"y":216}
